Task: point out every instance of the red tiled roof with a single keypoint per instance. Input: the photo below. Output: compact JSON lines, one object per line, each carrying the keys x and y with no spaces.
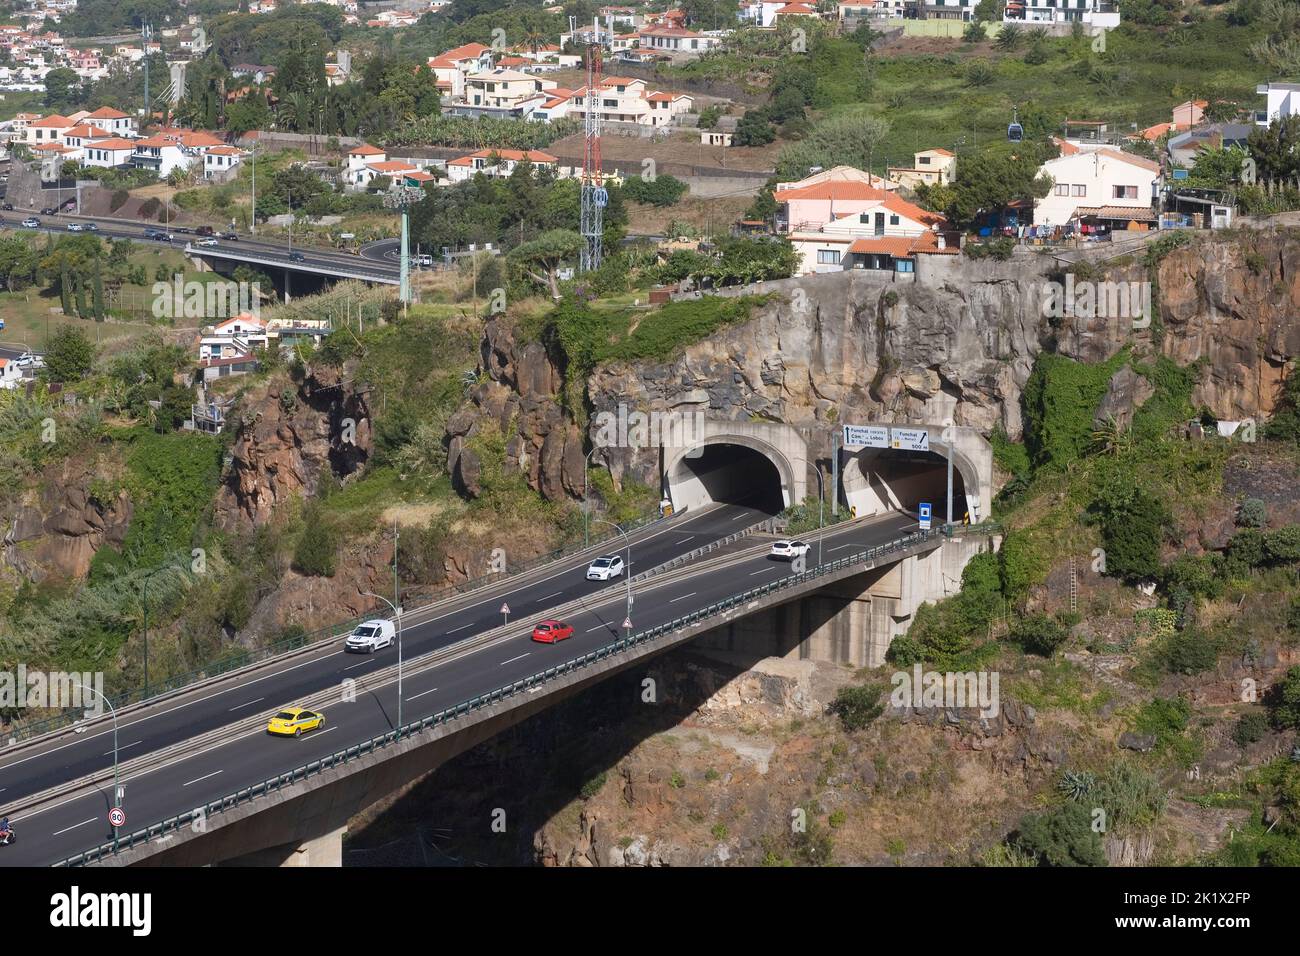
{"x":365,"y":149}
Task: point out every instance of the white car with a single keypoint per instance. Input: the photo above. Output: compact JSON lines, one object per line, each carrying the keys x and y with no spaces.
{"x":30,"y":360}
{"x":208,"y":241}
{"x":789,"y":550}
{"x":370,"y":636}
{"x":75,"y":227}
{"x":605,"y":567}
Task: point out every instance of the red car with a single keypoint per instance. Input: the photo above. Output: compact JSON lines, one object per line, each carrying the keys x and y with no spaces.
{"x":552,"y":632}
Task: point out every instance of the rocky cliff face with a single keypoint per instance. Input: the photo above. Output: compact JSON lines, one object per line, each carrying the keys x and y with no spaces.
{"x":856,"y":346}
{"x":289,"y":437}
{"x":58,"y":530}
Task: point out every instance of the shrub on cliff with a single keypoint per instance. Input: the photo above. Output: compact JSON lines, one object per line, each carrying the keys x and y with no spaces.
{"x":315,"y":551}
{"x":1062,"y":836}
{"x":856,"y":707}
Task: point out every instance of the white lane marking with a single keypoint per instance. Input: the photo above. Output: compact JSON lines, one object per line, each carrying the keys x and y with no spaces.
{"x":326,"y":652}
{"x":355,"y":666}
{"x":761,"y":570}
{"x":461,"y":628}
{"x":109,"y":753}
{"x":513,"y":659}
{"x":422,"y":693}
{"x":75,"y":825}
{"x":249,"y":704}
{"x":205,"y":777}
{"x":549,"y":596}
{"x":598,"y":627}
{"x":682,"y":598}
{"x":851,"y":544}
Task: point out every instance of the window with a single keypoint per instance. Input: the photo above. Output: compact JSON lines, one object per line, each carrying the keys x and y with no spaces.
{"x":925,"y":160}
{"x":1062,"y":189}
{"x":828,"y":257}
{"x":904,"y":265}
{"x":1125,"y":192}
{"x":1078,"y":190}
{"x":893,"y":220}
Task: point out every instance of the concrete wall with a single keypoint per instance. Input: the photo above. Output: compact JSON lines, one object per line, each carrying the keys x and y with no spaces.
{"x":783,"y":445}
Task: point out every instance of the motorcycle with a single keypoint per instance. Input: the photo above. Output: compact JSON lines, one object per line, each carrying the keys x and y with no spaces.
{"x":7,"y":836}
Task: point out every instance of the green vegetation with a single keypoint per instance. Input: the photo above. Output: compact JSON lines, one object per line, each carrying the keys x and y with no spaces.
{"x":857,"y":706}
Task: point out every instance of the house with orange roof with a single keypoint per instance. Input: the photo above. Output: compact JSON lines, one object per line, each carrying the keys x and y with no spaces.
{"x":496,"y":163}
{"x":48,"y":129}
{"x":794,"y":10}
{"x":221,"y":163}
{"x":108,"y":153}
{"x":625,"y":99}
{"x":450,"y":69}
{"x":825,"y":215}
{"x":111,"y":121}
{"x":172,"y":148}
{"x":930,"y":167}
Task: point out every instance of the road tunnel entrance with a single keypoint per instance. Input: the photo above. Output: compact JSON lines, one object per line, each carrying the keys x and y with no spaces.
{"x":877,"y":480}
{"x":725,"y":472}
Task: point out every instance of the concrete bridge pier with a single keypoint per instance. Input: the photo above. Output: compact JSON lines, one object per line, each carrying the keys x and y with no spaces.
{"x":853,"y":621}
{"x":323,"y":850}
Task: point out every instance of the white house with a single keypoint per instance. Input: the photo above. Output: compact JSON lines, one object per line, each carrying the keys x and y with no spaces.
{"x":237,"y":335}
{"x":365,"y":162}
{"x":109,"y":153}
{"x":504,"y":89}
{"x":676,"y":40}
{"x":10,"y":373}
{"x":221,"y":162}
{"x":450,"y":69}
{"x":1101,"y":183}
{"x":48,"y":129}
{"x":111,"y":121}
{"x":1281,"y":100}
{"x":171,"y":149}
{"x":624,"y":99}
{"x":496,"y":162}
{"x":1103,"y":14}
{"x":930,"y":167}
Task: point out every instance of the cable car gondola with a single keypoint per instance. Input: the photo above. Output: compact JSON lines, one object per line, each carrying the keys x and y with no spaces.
{"x":1015,"y":132}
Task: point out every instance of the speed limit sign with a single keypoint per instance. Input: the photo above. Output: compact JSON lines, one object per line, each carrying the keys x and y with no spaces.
{"x":117,"y":817}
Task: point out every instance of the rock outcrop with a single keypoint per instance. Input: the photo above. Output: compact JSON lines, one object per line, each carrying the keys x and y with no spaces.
{"x":289,"y":438}
{"x":59,"y":531}
{"x":858,"y":346}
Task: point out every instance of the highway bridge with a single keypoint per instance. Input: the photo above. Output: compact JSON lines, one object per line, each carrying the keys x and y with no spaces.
{"x":278,"y":259}
{"x":204,"y":784}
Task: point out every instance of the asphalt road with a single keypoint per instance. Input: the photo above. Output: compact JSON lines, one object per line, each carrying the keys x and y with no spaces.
{"x":80,"y":822}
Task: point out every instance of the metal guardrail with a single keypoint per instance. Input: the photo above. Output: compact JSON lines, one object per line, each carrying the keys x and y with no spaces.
{"x":442,"y":717}
{"x":26,"y":730}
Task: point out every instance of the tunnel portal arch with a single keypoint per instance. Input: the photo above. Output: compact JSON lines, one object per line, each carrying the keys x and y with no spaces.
{"x":764,"y":465}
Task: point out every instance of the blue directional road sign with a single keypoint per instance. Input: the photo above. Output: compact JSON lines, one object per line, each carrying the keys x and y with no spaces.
{"x":924,"y":509}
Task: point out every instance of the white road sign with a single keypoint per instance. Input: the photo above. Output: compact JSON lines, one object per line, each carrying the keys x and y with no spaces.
{"x":909,"y":439}
{"x":866,"y":436}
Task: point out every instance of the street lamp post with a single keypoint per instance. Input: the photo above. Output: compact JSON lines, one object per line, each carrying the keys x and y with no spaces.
{"x":116,"y":784}
{"x":397,"y":615}
{"x":252,"y":219}
{"x":627,"y":570}
{"x":821,"y":510}
{"x":586,"y":514}
{"x":144,"y":607}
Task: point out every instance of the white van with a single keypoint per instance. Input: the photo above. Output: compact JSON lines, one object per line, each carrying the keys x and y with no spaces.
{"x":370,"y":636}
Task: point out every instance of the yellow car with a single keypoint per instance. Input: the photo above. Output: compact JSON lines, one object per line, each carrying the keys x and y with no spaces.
{"x":294,"y":722}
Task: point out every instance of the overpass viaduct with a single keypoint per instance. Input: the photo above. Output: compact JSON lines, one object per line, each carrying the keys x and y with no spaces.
{"x":222,"y":791}
{"x":298,"y":817}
